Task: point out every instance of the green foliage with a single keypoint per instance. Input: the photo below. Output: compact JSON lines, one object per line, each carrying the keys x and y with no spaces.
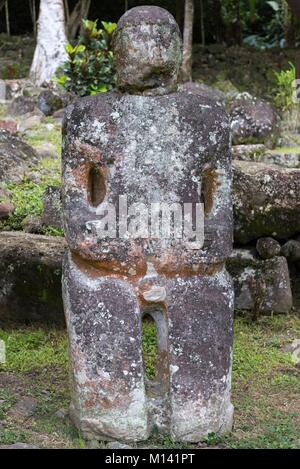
{"x":9,"y":437}
{"x":11,"y":71}
{"x":149,"y":343}
{"x":90,"y":67}
{"x":285,"y":83}
{"x":28,"y":200}
{"x":27,"y":196}
{"x":30,"y":349}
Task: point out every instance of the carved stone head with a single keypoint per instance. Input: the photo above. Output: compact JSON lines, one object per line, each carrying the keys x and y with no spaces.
{"x":148,"y":51}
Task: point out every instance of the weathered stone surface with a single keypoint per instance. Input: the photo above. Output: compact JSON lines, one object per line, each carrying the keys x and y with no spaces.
{"x":16,"y":157}
{"x":20,"y":106}
{"x":262,"y":286}
{"x":295,"y":350}
{"x":251,"y":152}
{"x":46,"y":150}
{"x":117,"y":445}
{"x":160,"y":36}
{"x":153,"y":144}
{"x":9,"y":124}
{"x":59,"y":115}
{"x":288,"y":157}
{"x":266,"y":200}
{"x":268,"y":248}
{"x":19,"y":446}
{"x":32,"y":224}
{"x":23,"y":409}
{"x":48,"y":102}
{"x":61,"y":414}
{"x":252,"y":120}
{"x":291,"y":250}
{"x":2,"y":91}
{"x":205,"y":91}
{"x":6,"y":209}
{"x":52,"y":209}
{"x":15,"y":87}
{"x":30,"y":121}
{"x":30,"y":278}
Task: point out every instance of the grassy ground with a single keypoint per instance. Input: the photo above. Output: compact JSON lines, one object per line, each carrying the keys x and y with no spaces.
{"x":27,"y":195}
{"x":266,"y":387}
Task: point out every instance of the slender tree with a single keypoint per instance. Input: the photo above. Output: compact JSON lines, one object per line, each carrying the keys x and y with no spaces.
{"x":7,"y":18}
{"x":289,"y":26}
{"x":32,"y":7}
{"x":295,"y":7}
{"x":74,"y":18}
{"x":186,"y":70}
{"x":51,"y":39}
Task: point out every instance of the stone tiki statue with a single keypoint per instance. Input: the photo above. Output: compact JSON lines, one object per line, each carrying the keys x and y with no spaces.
{"x":148,"y":143}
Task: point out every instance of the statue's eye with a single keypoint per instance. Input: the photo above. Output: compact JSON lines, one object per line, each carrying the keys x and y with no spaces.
{"x":96,"y":186}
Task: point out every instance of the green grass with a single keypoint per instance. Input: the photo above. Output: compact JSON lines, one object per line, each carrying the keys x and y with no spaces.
{"x":41,"y":134}
{"x":27,"y":196}
{"x":265,"y":394}
{"x":149,"y":343}
{"x":31,"y":349}
{"x":9,"y":437}
{"x":285,"y":150}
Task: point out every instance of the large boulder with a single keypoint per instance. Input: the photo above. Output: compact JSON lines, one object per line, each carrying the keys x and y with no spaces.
{"x":30,"y":278}
{"x":205,"y":91}
{"x":291,"y":250}
{"x":268,"y":248}
{"x":252,"y":120}
{"x":6,"y":209}
{"x":288,"y":157}
{"x":48,"y":102}
{"x":16,"y":157}
{"x":266,"y":201}
{"x":20,"y":106}
{"x":262,"y":286}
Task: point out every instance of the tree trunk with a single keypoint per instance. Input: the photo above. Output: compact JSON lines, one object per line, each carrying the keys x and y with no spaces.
{"x":202,"y":23}
{"x":295,"y":7}
{"x":32,"y":7}
{"x":186,"y":70}
{"x":237,"y":26}
{"x":179,"y":12}
{"x":219,"y":24}
{"x":51,"y":38}
{"x":79,"y":12}
{"x":289,"y":27}
{"x":7,"y":18}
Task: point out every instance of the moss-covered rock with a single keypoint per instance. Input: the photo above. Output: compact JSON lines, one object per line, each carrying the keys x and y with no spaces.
{"x":30,"y":278}
{"x":253,"y":120}
{"x":16,"y":157}
{"x":266,"y":201}
{"x":262,"y":286}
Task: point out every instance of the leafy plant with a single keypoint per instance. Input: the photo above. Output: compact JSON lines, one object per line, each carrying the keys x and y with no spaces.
{"x":90,"y":67}
{"x":285,"y":87}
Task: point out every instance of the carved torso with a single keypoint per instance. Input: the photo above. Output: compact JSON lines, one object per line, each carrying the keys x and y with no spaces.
{"x":153,"y":149}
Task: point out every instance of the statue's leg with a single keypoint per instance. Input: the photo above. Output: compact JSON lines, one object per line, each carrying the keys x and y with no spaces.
{"x":104,"y":327}
{"x":200,"y":315}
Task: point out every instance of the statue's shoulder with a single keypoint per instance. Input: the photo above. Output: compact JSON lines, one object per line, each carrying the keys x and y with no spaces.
{"x":202,"y":111}
{"x":89,"y":109}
